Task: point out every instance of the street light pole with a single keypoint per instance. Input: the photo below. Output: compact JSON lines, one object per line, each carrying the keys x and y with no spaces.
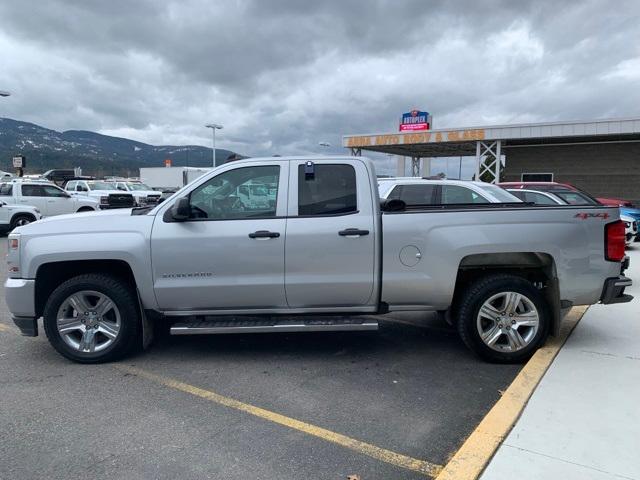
{"x":214,"y":127}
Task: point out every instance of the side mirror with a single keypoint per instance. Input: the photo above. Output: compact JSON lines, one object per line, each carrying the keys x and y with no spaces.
{"x":181,"y":210}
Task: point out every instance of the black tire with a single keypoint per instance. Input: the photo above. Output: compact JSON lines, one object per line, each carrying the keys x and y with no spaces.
{"x":124,"y":297}
{"x":85,"y":209}
{"x":481,"y":291}
{"x":21,"y":219}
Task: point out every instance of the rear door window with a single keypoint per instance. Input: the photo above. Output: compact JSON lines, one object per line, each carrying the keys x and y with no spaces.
{"x":331,"y":190}
{"x":453,"y":194}
{"x":415,"y":194}
{"x":538,"y":198}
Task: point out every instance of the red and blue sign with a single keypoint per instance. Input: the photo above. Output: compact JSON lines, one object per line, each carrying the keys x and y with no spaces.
{"x":415,"y":120}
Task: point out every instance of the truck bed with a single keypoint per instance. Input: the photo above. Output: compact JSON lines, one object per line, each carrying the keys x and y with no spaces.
{"x":424,"y":246}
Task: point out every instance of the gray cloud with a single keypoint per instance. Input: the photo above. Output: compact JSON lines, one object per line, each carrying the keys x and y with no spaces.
{"x":283,"y":75}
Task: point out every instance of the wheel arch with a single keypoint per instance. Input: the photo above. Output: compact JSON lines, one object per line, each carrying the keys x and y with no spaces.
{"x":50,"y":275}
{"x":22,"y":214}
{"x":539,"y":268}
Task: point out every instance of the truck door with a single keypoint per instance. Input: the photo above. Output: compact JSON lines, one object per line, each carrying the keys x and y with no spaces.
{"x":34,"y":195}
{"x":330,"y":249}
{"x":229,"y":254}
{"x":58,"y":202}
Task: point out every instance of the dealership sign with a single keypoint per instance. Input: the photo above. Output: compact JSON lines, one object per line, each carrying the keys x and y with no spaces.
{"x":415,"y":120}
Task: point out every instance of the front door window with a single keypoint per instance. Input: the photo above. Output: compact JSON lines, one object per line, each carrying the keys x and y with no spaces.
{"x":249,"y":192}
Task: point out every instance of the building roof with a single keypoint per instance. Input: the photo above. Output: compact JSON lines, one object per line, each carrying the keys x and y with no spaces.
{"x":462,"y":141}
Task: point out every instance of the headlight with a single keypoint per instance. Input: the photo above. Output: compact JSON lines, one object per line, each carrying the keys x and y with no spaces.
{"x":13,"y":255}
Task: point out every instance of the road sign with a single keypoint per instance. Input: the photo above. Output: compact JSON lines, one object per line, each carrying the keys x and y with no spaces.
{"x":19,"y":161}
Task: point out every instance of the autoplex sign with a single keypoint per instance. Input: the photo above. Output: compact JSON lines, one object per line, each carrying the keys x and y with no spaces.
{"x":414,"y":138}
{"x":415,"y":120}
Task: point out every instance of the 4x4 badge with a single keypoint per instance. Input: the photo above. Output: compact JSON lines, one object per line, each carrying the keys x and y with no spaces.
{"x":584,"y":216}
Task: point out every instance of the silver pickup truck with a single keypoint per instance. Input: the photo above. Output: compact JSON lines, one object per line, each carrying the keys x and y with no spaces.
{"x":305,"y":244}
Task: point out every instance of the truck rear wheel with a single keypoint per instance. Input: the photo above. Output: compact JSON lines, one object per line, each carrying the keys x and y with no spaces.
{"x":503,"y":318}
{"x":92,"y":318}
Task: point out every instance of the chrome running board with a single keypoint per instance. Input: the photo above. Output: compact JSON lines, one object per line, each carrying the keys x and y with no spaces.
{"x":233,"y":324}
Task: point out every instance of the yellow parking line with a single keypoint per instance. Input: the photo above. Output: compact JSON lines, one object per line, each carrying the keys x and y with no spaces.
{"x":5,"y":328}
{"x":378,"y":453}
{"x":471,"y":459}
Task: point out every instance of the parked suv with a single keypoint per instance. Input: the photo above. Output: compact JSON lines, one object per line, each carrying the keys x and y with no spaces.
{"x":424,"y":191}
{"x":45,"y":196}
{"x":105,"y":192}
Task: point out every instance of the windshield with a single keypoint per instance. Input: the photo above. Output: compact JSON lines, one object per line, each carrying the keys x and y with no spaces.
{"x":138,"y":186}
{"x":101,"y":186}
{"x":499,"y":193}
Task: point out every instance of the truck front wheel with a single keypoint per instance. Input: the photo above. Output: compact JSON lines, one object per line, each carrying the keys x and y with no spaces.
{"x":21,"y":220}
{"x":93,"y":318}
{"x":503,"y":318}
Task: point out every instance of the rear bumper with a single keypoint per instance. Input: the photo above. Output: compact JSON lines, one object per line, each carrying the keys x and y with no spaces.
{"x":624,"y":264}
{"x":613,"y":290}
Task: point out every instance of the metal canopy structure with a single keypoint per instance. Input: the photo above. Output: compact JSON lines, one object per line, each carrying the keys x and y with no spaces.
{"x":489,"y":143}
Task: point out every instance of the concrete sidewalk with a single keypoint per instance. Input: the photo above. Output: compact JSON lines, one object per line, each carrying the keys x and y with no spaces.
{"x":583,"y":420}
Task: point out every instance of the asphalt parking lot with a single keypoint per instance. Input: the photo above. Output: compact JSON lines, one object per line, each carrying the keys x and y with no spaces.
{"x":388,"y":405}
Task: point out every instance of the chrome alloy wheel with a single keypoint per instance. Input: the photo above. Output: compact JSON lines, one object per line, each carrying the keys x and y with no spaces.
{"x":88,"y":321}
{"x":22,"y":221}
{"x":508,"y":322}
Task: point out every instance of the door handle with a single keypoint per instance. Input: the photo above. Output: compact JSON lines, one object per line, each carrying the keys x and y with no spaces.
{"x":50,"y":201}
{"x":264,"y":234}
{"x":353,"y":232}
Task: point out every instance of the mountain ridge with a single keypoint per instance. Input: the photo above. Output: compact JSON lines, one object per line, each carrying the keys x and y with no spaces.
{"x":95,"y":153}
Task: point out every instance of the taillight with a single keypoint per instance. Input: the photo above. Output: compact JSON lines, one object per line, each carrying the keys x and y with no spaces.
{"x":614,"y":241}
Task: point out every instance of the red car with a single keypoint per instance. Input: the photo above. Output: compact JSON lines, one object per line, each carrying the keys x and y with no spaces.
{"x":558,"y":188}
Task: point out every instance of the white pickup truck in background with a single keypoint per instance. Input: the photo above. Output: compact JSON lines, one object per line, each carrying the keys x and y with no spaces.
{"x":50,"y":199}
{"x":143,"y":194}
{"x":104,"y":192}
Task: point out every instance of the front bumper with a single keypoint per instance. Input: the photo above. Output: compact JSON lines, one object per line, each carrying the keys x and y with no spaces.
{"x":613,"y":290}
{"x":20,"y":298}
{"x":28,"y":326}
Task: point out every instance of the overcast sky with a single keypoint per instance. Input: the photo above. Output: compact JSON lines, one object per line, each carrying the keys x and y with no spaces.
{"x":283,"y":75}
